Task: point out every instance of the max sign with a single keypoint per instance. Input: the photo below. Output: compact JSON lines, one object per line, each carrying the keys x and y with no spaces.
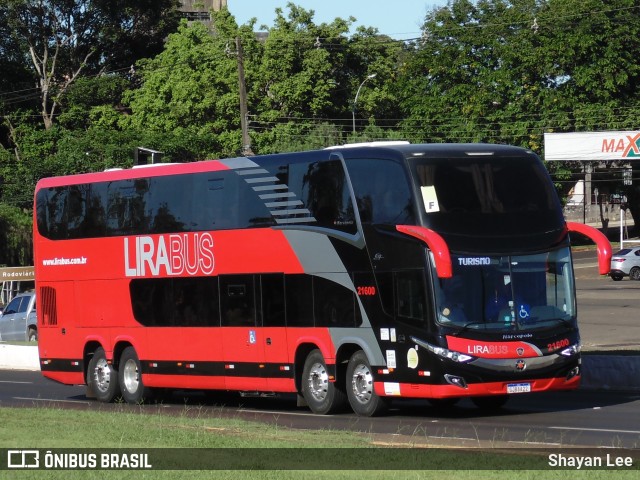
{"x":592,"y":146}
{"x":169,"y":255}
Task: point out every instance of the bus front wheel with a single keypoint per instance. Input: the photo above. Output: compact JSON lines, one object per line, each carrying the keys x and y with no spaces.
{"x":321,"y":394}
{"x":362,"y":397}
{"x":102,"y":377}
{"x":131,"y":377}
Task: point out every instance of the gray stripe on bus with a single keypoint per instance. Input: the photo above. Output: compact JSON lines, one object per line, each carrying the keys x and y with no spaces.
{"x":238,"y":162}
{"x":319,"y":258}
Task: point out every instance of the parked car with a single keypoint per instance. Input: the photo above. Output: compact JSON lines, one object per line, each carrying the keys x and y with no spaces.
{"x":18,"y":320}
{"x":624,"y":263}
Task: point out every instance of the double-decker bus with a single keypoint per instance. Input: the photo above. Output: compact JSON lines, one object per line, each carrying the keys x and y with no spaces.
{"x":351,"y":276}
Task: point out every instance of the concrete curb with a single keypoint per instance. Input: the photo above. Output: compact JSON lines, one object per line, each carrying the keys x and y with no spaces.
{"x":599,"y":372}
{"x":18,"y":357}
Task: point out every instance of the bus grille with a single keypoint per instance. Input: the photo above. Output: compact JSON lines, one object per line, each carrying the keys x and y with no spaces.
{"x":49,"y":306}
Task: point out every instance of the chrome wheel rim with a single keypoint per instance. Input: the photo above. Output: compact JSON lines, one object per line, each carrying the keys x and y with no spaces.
{"x":102,"y":375}
{"x":318,"y":382}
{"x":362,"y":384}
{"x":130,"y":376}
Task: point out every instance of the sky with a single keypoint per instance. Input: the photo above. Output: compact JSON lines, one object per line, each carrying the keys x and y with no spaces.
{"x":400,"y":19}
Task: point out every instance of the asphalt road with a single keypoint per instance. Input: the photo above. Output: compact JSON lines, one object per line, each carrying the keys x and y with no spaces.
{"x":561,"y":419}
{"x":608,"y":311}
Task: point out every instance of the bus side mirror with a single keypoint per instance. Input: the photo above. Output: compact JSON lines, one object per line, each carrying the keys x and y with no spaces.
{"x":435,"y":243}
{"x":601,"y":241}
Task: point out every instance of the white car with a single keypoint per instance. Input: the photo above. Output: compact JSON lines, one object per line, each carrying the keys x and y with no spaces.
{"x":624,"y":263}
{"x":18,"y":320}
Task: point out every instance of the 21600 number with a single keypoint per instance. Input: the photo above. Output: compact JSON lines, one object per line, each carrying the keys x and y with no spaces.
{"x":366,"y":291}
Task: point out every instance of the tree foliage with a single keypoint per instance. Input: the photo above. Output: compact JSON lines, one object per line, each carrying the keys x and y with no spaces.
{"x":66,"y":39}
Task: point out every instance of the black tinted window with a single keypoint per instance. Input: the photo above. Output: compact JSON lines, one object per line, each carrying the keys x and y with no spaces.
{"x":382,"y":191}
{"x":299,"y":295}
{"x":165,"y":302}
{"x":273,"y":300}
{"x":411,"y":303}
{"x":179,"y":203}
{"x":488,"y":194}
{"x":237,"y":300}
{"x":334,"y":304}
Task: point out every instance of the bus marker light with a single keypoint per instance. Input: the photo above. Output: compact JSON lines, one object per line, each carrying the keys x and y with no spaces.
{"x":456,"y":381}
{"x":572,"y":350}
{"x":573,"y":373}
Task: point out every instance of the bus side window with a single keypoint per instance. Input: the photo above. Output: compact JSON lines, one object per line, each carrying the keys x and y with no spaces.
{"x":333,"y":304}
{"x":410,"y":297}
{"x":272,"y":300}
{"x":323,"y":188}
{"x":299,"y":296}
{"x":237,"y":302}
{"x":382,"y":191}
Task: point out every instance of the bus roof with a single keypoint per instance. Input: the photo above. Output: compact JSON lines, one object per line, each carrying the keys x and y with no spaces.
{"x":403,"y":148}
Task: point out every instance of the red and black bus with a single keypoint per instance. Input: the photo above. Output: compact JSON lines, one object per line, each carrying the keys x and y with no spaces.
{"x":349,"y":275}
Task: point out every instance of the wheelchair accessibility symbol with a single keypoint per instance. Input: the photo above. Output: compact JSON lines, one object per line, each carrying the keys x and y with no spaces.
{"x":524,"y":311}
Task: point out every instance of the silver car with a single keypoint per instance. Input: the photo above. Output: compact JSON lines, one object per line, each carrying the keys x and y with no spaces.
{"x":624,"y":263}
{"x":18,"y":320}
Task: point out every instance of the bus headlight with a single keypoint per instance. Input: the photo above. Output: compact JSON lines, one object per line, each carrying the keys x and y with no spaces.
{"x":572,"y":350}
{"x":457,"y":357}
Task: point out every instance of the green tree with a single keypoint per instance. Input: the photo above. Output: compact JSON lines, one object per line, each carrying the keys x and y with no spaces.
{"x":16,"y":244}
{"x":509,"y":70}
{"x":191,"y":88}
{"x":66,"y":39}
{"x":310,"y":73}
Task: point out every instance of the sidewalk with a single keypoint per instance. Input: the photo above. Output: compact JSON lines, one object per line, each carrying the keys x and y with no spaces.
{"x":600,"y":371}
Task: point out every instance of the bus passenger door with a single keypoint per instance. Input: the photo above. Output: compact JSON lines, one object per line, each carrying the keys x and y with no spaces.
{"x":277,"y":368}
{"x":242,"y":340}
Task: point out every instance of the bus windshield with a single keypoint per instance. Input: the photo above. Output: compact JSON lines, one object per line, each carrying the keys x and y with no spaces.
{"x":518,"y":292}
{"x":479,"y":195}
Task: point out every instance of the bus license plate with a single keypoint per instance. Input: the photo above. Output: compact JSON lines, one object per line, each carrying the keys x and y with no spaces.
{"x":518,"y":387}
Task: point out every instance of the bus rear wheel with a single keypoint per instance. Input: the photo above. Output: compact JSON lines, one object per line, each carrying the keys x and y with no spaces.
{"x":362,"y":396}
{"x":131,"y":377}
{"x":322,"y":395}
{"x":102,"y":377}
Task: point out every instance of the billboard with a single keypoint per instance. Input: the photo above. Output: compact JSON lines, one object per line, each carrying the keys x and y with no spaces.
{"x":591,"y":146}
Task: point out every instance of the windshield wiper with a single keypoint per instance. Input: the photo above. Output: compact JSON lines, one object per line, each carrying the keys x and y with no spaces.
{"x":466,"y":327}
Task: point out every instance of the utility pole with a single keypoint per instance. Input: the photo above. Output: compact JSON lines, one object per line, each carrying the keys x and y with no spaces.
{"x":244,"y":121}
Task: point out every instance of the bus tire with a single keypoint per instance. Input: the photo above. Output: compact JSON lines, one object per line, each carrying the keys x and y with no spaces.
{"x":130,"y":375}
{"x":102,"y":377}
{"x":322,"y":395}
{"x":362,"y":396}
{"x":493,"y":402}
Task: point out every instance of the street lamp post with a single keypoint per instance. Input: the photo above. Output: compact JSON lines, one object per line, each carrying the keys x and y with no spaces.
{"x":355,"y":100}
